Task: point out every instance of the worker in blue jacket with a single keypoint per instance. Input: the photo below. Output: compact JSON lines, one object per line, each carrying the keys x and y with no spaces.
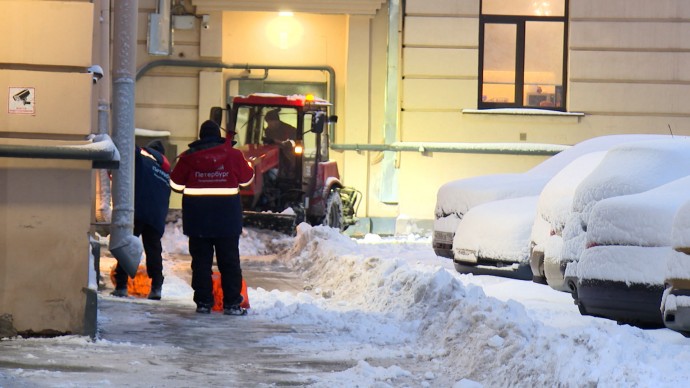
{"x":151,"y":201}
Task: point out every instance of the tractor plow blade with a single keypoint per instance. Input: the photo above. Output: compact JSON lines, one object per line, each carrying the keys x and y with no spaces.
{"x":279,"y":222}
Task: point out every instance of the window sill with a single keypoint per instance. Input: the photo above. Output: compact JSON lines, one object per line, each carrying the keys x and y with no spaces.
{"x":522,"y":112}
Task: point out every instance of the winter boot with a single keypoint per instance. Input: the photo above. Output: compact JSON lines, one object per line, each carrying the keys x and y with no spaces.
{"x":120,"y":292}
{"x":235,"y":310}
{"x":155,"y":293}
{"x":203,"y":309}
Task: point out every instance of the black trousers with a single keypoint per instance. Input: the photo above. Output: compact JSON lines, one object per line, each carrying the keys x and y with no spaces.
{"x":154,"y":256}
{"x":228,"y":260}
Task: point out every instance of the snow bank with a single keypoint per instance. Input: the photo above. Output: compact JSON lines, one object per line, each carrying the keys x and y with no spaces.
{"x":431,"y":316}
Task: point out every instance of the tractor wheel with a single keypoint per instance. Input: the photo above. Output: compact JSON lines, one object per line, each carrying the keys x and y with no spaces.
{"x":334,"y":211}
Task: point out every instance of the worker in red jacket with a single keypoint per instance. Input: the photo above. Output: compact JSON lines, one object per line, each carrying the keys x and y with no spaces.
{"x":209,"y":175}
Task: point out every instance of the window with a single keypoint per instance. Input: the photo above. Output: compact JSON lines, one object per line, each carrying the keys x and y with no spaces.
{"x":522,"y":55}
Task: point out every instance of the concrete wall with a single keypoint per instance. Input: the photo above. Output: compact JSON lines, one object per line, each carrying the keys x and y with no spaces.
{"x":629,"y":65}
{"x":44,"y":255}
{"x":45,"y":205}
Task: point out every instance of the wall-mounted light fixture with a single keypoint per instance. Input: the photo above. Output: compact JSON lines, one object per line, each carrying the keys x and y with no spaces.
{"x":284,"y":31}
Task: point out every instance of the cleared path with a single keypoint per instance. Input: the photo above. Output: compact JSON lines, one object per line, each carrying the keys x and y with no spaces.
{"x":163,"y":343}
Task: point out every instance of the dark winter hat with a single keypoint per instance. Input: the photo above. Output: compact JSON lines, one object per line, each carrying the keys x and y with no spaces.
{"x":209,"y":129}
{"x":157,"y":145}
{"x":273,"y":115}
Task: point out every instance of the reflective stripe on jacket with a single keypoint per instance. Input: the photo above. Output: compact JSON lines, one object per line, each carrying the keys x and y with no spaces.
{"x":209,"y":175}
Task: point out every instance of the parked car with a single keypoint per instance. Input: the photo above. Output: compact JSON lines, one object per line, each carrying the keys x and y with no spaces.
{"x":455,"y":198}
{"x":675,"y":302}
{"x":494,"y":238}
{"x":553,"y":210}
{"x":620,"y":275}
{"x":629,"y":168}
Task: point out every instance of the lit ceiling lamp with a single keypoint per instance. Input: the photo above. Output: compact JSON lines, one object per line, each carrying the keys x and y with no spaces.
{"x":542,"y":7}
{"x":284,"y":31}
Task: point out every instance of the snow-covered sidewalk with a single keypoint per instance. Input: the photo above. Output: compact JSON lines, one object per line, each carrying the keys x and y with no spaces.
{"x":384,"y":312}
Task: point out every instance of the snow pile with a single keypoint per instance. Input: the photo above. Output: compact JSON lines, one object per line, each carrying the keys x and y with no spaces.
{"x":432,"y":317}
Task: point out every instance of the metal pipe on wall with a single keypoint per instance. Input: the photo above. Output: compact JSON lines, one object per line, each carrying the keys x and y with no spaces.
{"x":100,"y":150}
{"x":464,"y":148}
{"x":104,"y":198}
{"x":219,"y":65}
{"x":388,"y":189}
{"x":126,"y":248}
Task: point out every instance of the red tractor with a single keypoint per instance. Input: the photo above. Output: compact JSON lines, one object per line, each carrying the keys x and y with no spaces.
{"x":284,"y":139}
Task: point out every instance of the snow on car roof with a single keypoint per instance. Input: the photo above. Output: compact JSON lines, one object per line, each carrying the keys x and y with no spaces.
{"x":643,"y":219}
{"x":460,"y":195}
{"x":554,"y":164}
{"x":633,"y":168}
{"x":556,"y":198}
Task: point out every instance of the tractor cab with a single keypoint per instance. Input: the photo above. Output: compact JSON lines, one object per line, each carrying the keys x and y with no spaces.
{"x":285,"y":139}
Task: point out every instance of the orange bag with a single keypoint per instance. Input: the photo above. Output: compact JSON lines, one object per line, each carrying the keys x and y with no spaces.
{"x":139,"y":286}
{"x":218,"y":293}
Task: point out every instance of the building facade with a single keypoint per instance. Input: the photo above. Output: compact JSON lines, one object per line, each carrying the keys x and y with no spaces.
{"x":417,"y":76}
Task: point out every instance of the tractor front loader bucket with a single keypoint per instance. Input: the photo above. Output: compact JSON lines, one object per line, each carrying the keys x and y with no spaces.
{"x":279,"y":222}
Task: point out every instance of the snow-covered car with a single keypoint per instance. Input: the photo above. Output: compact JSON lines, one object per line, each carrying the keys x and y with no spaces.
{"x":626,"y":169}
{"x":493,"y":238}
{"x":675,"y":302}
{"x":620,"y":275}
{"x":496,"y":238}
{"x":553,"y":209}
{"x":455,"y":198}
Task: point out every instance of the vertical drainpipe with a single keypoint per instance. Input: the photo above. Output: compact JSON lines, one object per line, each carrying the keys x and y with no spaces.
{"x":103,"y":211}
{"x":389,"y":175}
{"x":126,"y":248}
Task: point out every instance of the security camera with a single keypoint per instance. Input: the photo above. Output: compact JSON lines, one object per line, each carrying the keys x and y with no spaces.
{"x":204,"y":21}
{"x":23,"y":97}
{"x":96,"y":71}
{"x":205,"y":25}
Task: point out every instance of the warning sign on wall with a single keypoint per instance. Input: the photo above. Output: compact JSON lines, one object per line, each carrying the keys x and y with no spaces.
{"x":22,"y":100}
